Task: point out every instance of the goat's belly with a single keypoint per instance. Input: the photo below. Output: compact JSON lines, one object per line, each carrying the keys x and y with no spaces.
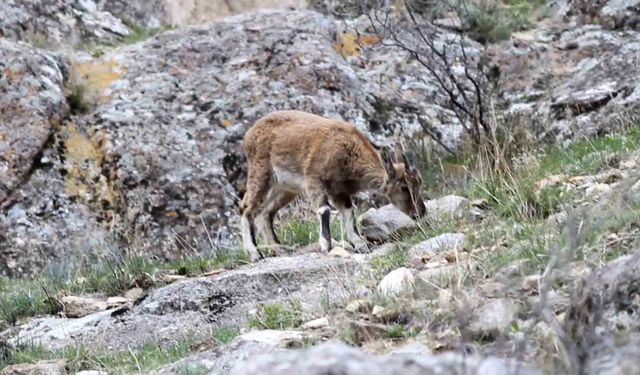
{"x":285,"y":180}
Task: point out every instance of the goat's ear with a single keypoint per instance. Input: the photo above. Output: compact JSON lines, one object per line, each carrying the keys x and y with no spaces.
{"x":387,"y":160}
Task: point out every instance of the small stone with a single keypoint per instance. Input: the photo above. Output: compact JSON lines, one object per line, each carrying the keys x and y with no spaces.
{"x":628,"y":164}
{"x":359,"y":306}
{"x":443,"y":242}
{"x":339,"y":252}
{"x":316,"y":323}
{"x":169,"y":278}
{"x":377,"y":310}
{"x":427,"y":282}
{"x":634,"y":193}
{"x":596,"y":190}
{"x":611,"y":177}
{"x":384,"y":314}
{"x":481,"y":203}
{"x":134,"y":294}
{"x":447,"y":206}
{"x":384,"y":249}
{"x":531,"y":283}
{"x":397,"y":282}
{"x":383,"y":223}
{"x":116,"y":301}
{"x":77,"y":307}
{"x":412,"y":348}
{"x":275,"y":338}
{"x":493,"y":319}
{"x":550,"y":181}
{"x":39,"y":368}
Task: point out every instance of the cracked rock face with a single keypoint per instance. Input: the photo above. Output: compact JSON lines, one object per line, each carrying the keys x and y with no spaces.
{"x":570,"y":81}
{"x":38,"y":221}
{"x":56,"y":23}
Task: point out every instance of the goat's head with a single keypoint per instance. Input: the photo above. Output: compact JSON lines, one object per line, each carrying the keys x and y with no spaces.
{"x":404,"y":185}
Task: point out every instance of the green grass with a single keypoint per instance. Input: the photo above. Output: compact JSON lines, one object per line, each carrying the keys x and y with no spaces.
{"x":224,"y":335}
{"x":305,"y":232}
{"x":514,"y":194}
{"x":192,"y":266}
{"x":382,"y":265}
{"x":590,"y":156}
{"x":76,"y":99}
{"x":21,"y":298}
{"x":138,"y":34}
{"x":399,"y":331}
{"x":148,"y":357}
{"x":277,"y":316}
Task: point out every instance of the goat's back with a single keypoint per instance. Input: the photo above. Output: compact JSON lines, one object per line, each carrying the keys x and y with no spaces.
{"x":302,"y":143}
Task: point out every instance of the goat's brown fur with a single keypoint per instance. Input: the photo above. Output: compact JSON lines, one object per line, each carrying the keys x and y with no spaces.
{"x":293,"y":152}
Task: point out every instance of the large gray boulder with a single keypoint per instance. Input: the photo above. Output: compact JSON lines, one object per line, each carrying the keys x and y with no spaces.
{"x":339,"y":358}
{"x":40,"y":223}
{"x":613,"y":14}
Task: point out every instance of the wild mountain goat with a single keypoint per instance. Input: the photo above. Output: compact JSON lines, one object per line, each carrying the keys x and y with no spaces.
{"x":293,"y":152}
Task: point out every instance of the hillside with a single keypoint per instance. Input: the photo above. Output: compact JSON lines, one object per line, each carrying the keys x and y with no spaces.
{"x":121,"y":173}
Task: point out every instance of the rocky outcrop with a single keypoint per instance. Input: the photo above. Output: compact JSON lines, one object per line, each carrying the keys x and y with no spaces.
{"x":603,"y":320}
{"x":39,"y":222}
{"x":613,"y":14}
{"x":195,"y":307}
{"x":39,"y":368}
{"x":242,"y":348}
{"x":343,"y":359}
{"x":566,"y":81}
{"x":33,"y":103}
{"x":59,"y":23}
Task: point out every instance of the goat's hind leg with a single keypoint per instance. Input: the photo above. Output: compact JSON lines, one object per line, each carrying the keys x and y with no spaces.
{"x":252,"y":205}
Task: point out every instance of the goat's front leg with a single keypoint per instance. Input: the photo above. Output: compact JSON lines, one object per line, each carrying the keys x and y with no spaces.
{"x":323,"y":210}
{"x":348,"y":221}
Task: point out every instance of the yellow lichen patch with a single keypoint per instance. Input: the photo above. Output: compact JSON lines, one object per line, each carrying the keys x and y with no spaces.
{"x":13,"y":75}
{"x":96,"y":77}
{"x":84,"y":156}
{"x":227,"y":123}
{"x":350,"y":44}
